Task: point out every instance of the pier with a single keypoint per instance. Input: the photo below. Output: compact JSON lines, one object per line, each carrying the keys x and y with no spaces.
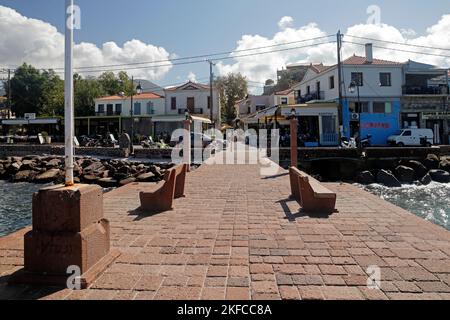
{"x":236,"y":235}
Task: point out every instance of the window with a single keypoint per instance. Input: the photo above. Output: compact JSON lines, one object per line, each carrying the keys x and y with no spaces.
{"x":407,"y":133}
{"x":379,"y":107}
{"x":173,"y":103}
{"x":137,"y":109}
{"x":101,"y":108}
{"x":357,"y":77}
{"x":109,"y":109}
{"x":385,"y":79}
{"x":118,"y":108}
{"x":150,"y":108}
{"x":331,"y":82}
{"x":209,"y":102}
{"x":260,"y":107}
{"x":284,"y":101}
{"x":308,"y":90}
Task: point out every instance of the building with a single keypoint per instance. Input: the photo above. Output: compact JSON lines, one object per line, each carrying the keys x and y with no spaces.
{"x":371,"y":90}
{"x":153,"y":114}
{"x":425,"y":100}
{"x":113,"y":114}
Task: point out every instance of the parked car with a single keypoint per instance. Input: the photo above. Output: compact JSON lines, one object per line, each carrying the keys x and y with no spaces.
{"x":205,"y":140}
{"x":412,"y":137}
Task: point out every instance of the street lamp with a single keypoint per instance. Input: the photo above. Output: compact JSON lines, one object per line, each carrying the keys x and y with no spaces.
{"x":354,"y":86}
{"x":187,"y":116}
{"x":138,"y":91}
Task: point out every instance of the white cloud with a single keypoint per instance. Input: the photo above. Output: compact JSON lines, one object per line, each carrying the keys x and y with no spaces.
{"x":261,"y":67}
{"x":285,"y":22}
{"x":39,"y":43}
{"x":192,"y":77}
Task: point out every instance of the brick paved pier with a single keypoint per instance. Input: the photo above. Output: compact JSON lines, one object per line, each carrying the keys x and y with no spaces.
{"x":237,"y":236}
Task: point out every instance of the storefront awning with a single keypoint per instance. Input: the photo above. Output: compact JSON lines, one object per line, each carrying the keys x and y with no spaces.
{"x":18,"y":122}
{"x":201,"y":119}
{"x":180,"y":119}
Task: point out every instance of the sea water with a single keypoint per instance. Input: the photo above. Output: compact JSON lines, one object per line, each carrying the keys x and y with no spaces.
{"x":430,"y":202}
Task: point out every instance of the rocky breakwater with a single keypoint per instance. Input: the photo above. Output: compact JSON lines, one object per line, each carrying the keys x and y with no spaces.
{"x":106,"y":173}
{"x":409,"y":172}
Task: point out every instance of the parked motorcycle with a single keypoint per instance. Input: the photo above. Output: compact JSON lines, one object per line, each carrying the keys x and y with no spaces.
{"x":347,"y":143}
{"x":365,"y":143}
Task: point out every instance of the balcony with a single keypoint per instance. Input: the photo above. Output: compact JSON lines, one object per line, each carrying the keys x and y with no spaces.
{"x":425,"y":90}
{"x":311,"y":97}
{"x":191,"y":111}
{"x":108,"y":114}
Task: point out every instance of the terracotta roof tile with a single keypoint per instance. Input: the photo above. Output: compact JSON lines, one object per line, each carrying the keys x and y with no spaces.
{"x":142,"y":96}
{"x":357,"y":60}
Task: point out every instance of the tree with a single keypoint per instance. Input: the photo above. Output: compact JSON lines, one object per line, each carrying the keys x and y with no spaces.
{"x":113,"y":84}
{"x":27,"y":88}
{"x":232,"y":88}
{"x":52,"y":99}
{"x":86,"y":91}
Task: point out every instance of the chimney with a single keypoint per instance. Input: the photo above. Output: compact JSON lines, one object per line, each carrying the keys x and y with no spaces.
{"x":369,"y":52}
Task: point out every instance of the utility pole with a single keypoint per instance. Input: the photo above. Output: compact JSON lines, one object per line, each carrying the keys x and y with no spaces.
{"x":339,"y":64}
{"x":211,"y":81}
{"x":9,"y":94}
{"x":132,"y":113}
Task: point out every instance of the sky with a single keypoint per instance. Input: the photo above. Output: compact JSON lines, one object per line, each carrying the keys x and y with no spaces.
{"x":119,"y":32}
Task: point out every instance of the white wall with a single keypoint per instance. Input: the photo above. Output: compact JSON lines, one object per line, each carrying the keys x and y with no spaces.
{"x":371,"y":88}
{"x":158,"y":105}
{"x":201,"y":101}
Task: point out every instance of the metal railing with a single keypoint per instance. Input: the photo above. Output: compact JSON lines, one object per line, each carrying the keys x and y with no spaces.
{"x":426,"y":90}
{"x":191,"y":111}
{"x":311,"y":96}
{"x":329,"y":139}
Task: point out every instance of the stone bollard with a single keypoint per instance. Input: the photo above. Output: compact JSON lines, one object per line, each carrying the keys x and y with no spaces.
{"x":187,"y":144}
{"x":294,"y":144}
{"x":69,"y":231}
{"x":125,"y":144}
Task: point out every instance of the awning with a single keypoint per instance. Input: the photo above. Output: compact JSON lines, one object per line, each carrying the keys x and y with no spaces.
{"x":18,"y":122}
{"x":201,"y":119}
{"x":269,"y":112}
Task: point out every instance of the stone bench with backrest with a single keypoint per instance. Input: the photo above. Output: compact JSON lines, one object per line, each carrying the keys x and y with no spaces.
{"x":310,"y":193}
{"x":160,"y":197}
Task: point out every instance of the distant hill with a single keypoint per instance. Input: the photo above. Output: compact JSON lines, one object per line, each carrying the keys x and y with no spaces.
{"x":148,"y":86}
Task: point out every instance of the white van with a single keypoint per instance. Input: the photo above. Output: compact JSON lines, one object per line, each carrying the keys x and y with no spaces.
{"x":412,"y":137}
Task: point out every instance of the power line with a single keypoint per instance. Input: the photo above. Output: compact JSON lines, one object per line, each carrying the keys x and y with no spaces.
{"x":200,"y":56}
{"x":401,"y":50}
{"x":399,"y":43}
{"x":202,"y":61}
{"x":190,"y":58}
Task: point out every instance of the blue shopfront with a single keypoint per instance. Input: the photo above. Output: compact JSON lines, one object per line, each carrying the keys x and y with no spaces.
{"x":379,"y":119}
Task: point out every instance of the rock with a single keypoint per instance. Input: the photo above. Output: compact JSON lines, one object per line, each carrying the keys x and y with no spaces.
{"x":156,"y":171}
{"x":15,"y":167}
{"x":146,"y":177}
{"x":90,"y":178}
{"x":28,"y":165}
{"x":431,"y":162}
{"x":107,"y":183}
{"x":94,"y":167}
{"x":127,"y":181}
{"x":121,"y":176}
{"x":426,"y":180}
{"x":419,"y":169}
{"x":404,"y":174}
{"x":388,"y":179}
{"x":48,"y":176}
{"x":440,"y":176}
{"x":445,"y":165}
{"x":25,"y":175}
{"x":53,"y":163}
{"x":365,"y":178}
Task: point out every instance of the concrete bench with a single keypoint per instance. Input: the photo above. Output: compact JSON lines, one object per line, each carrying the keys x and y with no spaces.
{"x":310,"y":193}
{"x":160,"y":198}
{"x":180,"y":179}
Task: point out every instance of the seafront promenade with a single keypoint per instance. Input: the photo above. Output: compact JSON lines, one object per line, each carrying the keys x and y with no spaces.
{"x":237,"y":235}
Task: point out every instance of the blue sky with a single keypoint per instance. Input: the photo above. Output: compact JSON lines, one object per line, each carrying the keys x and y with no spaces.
{"x":202,"y":26}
